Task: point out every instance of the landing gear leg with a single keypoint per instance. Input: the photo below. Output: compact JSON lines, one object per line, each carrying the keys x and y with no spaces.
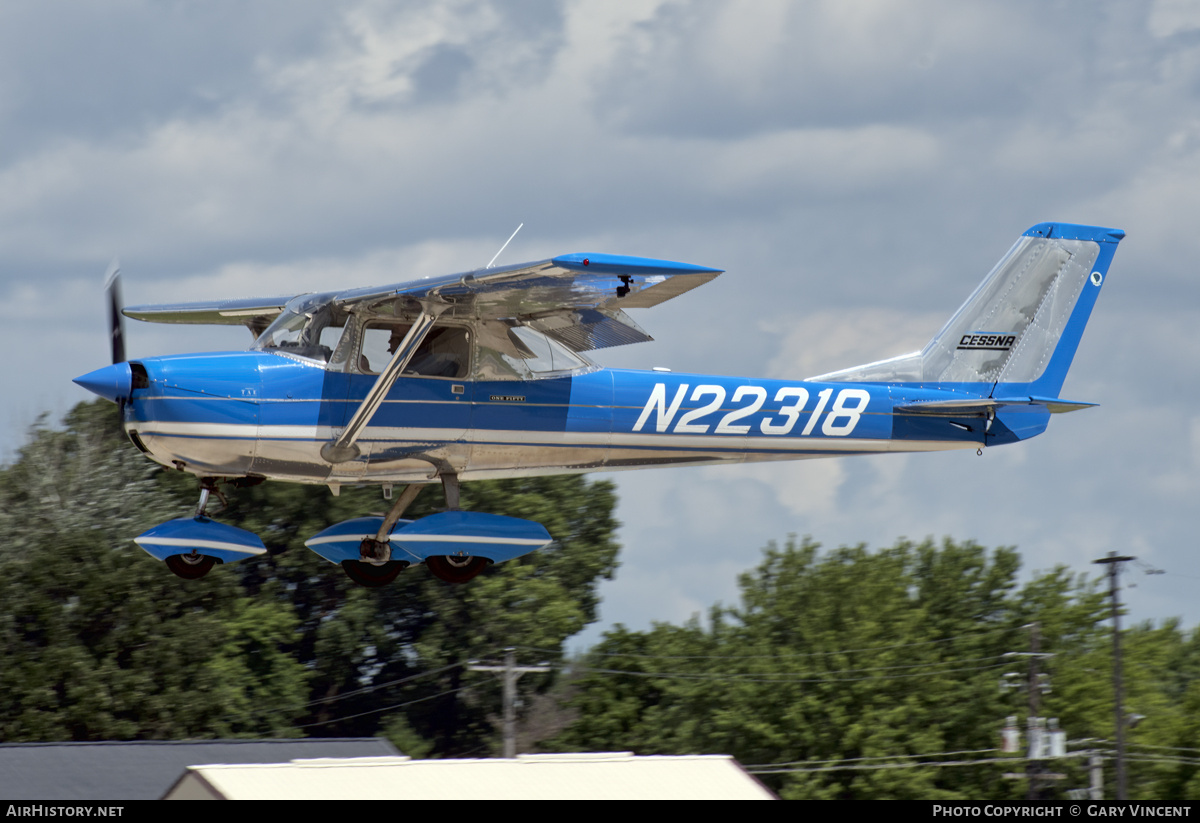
{"x":376,"y":567}
{"x":208,"y":485}
{"x":451,"y":488}
{"x":194,"y":565}
{"x":397,"y":511}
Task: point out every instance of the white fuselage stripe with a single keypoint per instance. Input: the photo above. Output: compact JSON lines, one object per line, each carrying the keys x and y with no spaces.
{"x":548,"y":438}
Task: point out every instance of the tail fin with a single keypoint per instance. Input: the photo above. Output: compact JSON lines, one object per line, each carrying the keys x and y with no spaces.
{"x":1021,"y":327}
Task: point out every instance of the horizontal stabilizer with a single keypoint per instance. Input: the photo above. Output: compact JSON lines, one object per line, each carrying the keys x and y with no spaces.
{"x":979,"y":406}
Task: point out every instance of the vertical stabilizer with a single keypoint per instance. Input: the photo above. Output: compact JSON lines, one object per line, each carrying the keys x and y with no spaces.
{"x":1023,"y":323}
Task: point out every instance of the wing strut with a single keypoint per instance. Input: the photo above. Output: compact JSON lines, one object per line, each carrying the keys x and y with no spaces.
{"x":344,"y":448}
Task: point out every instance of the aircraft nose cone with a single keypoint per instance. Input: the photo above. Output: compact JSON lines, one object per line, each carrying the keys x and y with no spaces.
{"x":113,"y":382}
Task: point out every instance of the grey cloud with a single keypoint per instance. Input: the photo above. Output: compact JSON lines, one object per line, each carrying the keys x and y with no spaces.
{"x":724,"y":69}
{"x":110,"y":71}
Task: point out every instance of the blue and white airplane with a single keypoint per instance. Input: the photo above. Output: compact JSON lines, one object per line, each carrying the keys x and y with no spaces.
{"x":485,"y":375}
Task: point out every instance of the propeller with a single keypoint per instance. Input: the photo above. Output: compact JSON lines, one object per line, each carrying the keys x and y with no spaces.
{"x":113,"y":382}
{"x":116,"y":320}
{"x":116,"y":323}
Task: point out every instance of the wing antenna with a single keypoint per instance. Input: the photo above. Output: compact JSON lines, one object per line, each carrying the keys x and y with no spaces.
{"x":502,"y":248}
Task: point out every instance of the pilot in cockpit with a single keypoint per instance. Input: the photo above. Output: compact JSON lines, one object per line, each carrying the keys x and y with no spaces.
{"x":444,"y":352}
{"x":398,"y":335}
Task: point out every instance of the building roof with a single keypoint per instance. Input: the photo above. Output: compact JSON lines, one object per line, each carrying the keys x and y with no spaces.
{"x":619,"y":775}
{"x":144,"y":770}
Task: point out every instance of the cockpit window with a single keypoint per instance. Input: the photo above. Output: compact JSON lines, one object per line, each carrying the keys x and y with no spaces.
{"x":318,"y":328}
{"x":308,"y":327}
{"x":445,"y":351}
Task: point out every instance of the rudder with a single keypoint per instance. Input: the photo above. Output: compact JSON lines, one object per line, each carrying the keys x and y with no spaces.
{"x":1022,"y":325}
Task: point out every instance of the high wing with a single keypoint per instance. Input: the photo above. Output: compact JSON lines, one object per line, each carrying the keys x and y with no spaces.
{"x":254,"y":312}
{"x":578,"y":299}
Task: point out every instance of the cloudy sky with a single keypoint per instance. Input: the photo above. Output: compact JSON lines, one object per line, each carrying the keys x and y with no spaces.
{"x":855,"y":166}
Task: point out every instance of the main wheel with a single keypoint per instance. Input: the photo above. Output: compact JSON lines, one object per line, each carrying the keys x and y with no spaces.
{"x":456,"y":569}
{"x":190,"y":566}
{"x":368,"y":574}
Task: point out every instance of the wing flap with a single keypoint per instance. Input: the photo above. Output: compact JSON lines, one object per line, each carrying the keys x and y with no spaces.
{"x":589,"y":329}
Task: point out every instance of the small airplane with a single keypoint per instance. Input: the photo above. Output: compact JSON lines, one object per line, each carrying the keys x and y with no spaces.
{"x":485,"y":375}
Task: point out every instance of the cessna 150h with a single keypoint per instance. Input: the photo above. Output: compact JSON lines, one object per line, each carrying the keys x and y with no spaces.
{"x":484,"y":375}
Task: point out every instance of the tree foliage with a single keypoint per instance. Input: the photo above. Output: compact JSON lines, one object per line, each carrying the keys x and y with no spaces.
{"x":840,"y":674}
{"x":98,"y":641}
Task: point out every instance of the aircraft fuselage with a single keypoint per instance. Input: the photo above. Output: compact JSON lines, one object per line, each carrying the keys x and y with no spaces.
{"x":269,"y":414}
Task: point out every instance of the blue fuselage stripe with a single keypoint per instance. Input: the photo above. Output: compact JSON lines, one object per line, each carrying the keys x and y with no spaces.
{"x":265,"y":399}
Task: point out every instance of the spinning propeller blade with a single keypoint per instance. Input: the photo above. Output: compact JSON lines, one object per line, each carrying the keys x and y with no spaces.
{"x":113,"y":382}
{"x":116,"y":321}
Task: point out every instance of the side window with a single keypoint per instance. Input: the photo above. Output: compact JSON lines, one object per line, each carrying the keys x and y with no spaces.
{"x":445,"y":351}
{"x":507,"y":352}
{"x":328,"y":340}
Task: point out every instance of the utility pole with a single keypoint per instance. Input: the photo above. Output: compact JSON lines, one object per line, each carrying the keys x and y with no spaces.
{"x":1113,"y":562}
{"x":1039,"y":734}
{"x":1034,"y":767}
{"x":512,"y":673}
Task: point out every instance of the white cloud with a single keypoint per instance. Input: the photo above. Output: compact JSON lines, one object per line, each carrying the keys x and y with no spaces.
{"x":829,"y":341}
{"x":1170,"y":17}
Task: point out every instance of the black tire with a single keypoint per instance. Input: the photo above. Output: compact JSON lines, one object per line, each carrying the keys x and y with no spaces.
{"x":370,"y":575}
{"x":456,"y":569}
{"x":190,"y":566}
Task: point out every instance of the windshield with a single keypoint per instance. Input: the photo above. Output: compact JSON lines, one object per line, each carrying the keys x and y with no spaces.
{"x":308,"y":327}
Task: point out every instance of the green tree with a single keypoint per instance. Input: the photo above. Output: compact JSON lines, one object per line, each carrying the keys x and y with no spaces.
{"x":849,"y":669}
{"x":371,"y":649}
{"x":95,"y":641}
{"x":98,"y":641}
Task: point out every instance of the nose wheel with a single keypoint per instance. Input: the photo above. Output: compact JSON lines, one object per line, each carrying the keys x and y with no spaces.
{"x":190,"y":566}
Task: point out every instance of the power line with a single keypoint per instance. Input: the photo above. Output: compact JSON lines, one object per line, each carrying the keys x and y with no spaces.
{"x":777,"y":655}
{"x":917,"y":765}
{"x":783,"y":678}
{"x":870,"y":757}
{"x":387,"y":708}
{"x":925,"y":665}
{"x":1170,"y":748}
{"x":377,"y":686}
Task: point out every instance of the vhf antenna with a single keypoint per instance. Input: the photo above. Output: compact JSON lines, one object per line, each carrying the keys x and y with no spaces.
{"x":502,"y":248}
